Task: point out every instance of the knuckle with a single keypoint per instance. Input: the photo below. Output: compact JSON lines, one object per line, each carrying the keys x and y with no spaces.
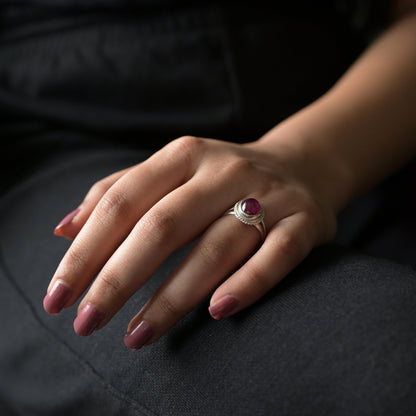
{"x":113,"y":204}
{"x":111,"y":282}
{"x":319,"y":220}
{"x":307,"y":203}
{"x":75,"y":258}
{"x":291,"y":246}
{"x":184,"y":151}
{"x":213,"y":252}
{"x":188,"y":144}
{"x":168,"y":307}
{"x":159,"y":225}
{"x":99,"y":187}
{"x":237,"y":166}
{"x":186,"y":147}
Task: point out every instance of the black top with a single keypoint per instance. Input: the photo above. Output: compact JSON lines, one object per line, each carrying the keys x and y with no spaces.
{"x":362,"y":15}
{"x":105,"y":68}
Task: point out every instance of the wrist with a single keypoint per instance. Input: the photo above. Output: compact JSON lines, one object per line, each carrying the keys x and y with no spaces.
{"x":300,"y":143}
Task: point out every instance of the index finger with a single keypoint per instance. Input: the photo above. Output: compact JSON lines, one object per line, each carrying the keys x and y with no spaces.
{"x":112,"y":219}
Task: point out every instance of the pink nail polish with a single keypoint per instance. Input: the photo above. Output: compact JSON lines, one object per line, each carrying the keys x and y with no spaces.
{"x":224,"y":307}
{"x":138,"y":336}
{"x":57,"y":297}
{"x":67,"y":220}
{"x":87,"y":320}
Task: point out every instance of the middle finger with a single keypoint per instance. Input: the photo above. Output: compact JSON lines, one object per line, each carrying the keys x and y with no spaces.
{"x":175,"y":220}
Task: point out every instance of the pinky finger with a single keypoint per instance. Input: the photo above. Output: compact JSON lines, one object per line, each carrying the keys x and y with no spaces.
{"x":70,"y":226}
{"x":286,"y":245}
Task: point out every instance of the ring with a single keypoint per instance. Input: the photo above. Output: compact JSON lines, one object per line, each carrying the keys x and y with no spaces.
{"x":250,"y":212}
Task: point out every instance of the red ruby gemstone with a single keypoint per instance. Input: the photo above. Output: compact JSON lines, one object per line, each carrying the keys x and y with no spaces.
{"x":251,"y":206}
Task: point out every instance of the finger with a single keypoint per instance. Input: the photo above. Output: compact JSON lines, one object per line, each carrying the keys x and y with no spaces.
{"x":223,"y":247}
{"x":69,"y":227}
{"x":219,"y":251}
{"x":175,"y":220}
{"x":286,"y":245}
{"x":112,"y":219}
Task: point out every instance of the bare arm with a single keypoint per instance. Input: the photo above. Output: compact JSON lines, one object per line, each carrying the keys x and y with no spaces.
{"x":365,"y":126}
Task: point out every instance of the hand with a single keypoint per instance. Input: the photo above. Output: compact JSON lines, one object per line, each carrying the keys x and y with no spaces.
{"x":131,"y":221}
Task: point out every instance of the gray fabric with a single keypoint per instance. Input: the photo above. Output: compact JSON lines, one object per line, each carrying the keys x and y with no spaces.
{"x":336,"y":337}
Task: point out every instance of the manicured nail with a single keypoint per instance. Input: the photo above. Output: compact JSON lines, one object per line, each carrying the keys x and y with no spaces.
{"x":57,"y":297}
{"x":224,"y":307}
{"x":67,"y":220}
{"x":138,"y":336}
{"x":87,"y":320}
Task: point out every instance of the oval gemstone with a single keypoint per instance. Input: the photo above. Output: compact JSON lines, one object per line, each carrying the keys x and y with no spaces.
{"x":251,"y":206}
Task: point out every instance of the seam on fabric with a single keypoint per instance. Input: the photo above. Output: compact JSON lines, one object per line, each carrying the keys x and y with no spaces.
{"x":119,"y":395}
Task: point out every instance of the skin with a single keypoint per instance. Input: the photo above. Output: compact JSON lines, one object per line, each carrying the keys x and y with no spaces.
{"x":304,"y":172}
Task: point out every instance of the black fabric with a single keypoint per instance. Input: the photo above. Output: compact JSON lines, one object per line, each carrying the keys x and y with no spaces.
{"x":144,"y":78}
{"x":85,"y":94}
{"x":365,"y":17}
{"x":156,"y":66}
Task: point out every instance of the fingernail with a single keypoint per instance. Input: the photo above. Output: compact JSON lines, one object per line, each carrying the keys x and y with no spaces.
{"x":138,"y":336}
{"x":87,"y":320}
{"x":224,"y":307}
{"x":57,"y":297}
{"x":67,"y":220}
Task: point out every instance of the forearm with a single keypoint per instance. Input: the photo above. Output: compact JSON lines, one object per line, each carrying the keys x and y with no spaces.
{"x":364,"y":127}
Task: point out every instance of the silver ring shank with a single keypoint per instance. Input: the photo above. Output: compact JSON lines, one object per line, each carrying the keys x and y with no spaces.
{"x":258,"y":223}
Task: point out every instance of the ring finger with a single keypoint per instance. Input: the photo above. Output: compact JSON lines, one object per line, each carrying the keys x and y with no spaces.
{"x":221,"y":249}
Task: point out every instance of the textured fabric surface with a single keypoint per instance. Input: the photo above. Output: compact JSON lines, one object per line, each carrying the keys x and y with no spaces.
{"x":336,"y":335}
{"x":148,"y":76}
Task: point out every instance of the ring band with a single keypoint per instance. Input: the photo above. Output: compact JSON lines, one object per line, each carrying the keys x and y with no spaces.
{"x":250,"y":212}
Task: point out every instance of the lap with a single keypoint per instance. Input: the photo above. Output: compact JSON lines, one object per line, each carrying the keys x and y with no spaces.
{"x":336,"y":337}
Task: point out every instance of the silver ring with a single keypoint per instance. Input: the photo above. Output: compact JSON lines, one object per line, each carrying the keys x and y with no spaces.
{"x":250,"y":212}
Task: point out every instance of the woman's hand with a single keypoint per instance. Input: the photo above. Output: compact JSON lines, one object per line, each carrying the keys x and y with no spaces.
{"x":302,"y":172}
{"x":131,"y":221}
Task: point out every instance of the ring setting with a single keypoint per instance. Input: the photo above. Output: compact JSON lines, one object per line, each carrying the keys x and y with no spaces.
{"x":250,"y":212}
